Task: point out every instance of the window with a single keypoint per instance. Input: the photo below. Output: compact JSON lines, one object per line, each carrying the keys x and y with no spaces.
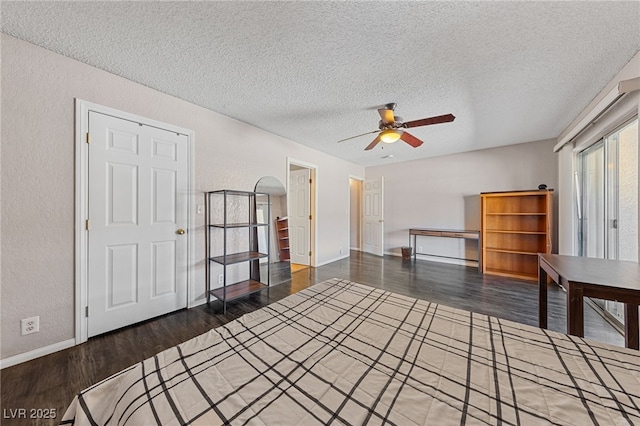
{"x":608,"y":201}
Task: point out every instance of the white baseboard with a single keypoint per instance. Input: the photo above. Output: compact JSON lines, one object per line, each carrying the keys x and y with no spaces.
{"x":36,"y":353}
{"x":333,"y":260}
{"x":439,"y":259}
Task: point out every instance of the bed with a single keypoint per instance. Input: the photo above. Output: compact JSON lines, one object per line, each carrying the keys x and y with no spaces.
{"x":346,"y":353}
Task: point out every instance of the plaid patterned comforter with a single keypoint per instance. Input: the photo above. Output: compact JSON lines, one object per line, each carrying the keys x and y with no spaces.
{"x":345,"y":353}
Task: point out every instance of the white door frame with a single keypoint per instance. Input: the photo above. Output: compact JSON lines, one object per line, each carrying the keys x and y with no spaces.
{"x":314,"y":173}
{"x":361,"y":180}
{"x":81,"y":204}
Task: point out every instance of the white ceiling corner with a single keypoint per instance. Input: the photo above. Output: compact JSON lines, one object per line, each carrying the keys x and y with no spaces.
{"x":315,"y":72}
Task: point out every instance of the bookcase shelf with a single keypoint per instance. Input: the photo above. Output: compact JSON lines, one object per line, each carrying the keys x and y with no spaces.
{"x":282,"y":228}
{"x":516,"y":226}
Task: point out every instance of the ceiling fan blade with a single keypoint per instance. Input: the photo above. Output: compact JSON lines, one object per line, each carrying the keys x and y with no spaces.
{"x":387,"y":116}
{"x":410,"y":139}
{"x":353,"y":137}
{"x":431,"y":120}
{"x":373,"y":144}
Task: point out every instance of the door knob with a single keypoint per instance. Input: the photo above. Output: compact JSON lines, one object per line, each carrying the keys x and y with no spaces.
{"x":180,"y":231}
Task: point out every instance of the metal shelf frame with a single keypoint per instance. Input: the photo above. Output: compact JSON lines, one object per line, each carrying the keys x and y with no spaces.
{"x":230,"y":291}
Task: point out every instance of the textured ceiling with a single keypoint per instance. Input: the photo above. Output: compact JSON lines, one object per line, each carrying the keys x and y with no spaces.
{"x":315,"y":72}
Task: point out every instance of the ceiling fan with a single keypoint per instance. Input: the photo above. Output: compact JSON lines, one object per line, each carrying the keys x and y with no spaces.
{"x":390,"y":127}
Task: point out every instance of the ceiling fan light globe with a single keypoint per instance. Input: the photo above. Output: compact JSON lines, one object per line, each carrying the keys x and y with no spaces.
{"x":389,"y":136}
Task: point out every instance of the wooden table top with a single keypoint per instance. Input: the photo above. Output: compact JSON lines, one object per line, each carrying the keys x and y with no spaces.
{"x":603,"y":272}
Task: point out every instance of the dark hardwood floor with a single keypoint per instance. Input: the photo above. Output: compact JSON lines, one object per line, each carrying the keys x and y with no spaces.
{"x":50,"y":382}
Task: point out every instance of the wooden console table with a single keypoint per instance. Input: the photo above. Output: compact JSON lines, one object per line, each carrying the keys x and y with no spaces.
{"x":447,"y":233}
{"x":588,"y":277}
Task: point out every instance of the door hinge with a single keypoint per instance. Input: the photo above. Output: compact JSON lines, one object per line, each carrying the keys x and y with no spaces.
{"x":615,"y":224}
{"x":310,"y":180}
{"x":86,"y":311}
{"x":309,"y":253}
{"x":309,"y":217}
{"x":86,"y":224}
{"x":88,"y":138}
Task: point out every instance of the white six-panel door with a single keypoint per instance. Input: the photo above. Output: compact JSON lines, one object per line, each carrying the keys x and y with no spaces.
{"x":137,"y":253}
{"x":299,"y":222}
{"x":373,"y":223}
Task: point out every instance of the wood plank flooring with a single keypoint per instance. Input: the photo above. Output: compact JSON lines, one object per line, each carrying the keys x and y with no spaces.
{"x":51,"y":382}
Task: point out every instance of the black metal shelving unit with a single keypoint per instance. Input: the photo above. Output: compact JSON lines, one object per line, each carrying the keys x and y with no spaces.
{"x":216,"y":246}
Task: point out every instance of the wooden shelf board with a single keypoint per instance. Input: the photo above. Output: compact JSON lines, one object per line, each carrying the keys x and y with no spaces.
{"x":527,"y":192}
{"x":498,"y":231}
{"x":506,"y":273}
{"x":500,"y":250}
{"x":237,"y":225}
{"x":238,"y":257}
{"x":516,"y":214}
{"x":242,"y":288}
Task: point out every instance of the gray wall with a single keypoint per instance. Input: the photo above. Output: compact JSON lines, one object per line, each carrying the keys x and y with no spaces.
{"x":444,"y":192}
{"x":38,"y":166}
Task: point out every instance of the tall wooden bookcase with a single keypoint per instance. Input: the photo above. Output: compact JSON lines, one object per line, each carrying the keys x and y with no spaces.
{"x":516,"y":226}
{"x":282,"y":228}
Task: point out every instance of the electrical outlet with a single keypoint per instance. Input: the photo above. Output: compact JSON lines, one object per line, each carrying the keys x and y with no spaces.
{"x":199,"y":209}
{"x":420,"y":249}
{"x":340,"y":250}
{"x":29,"y":325}
{"x":220,"y":279}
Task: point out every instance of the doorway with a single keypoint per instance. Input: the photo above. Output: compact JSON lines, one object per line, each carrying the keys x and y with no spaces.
{"x":301,"y":191}
{"x":133,"y":186}
{"x":355,"y":213}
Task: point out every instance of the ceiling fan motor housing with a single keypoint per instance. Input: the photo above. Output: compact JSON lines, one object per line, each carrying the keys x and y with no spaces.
{"x":397,"y":124}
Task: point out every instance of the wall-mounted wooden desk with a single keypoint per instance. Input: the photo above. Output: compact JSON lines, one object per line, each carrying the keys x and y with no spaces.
{"x":588,"y":277}
{"x":446,"y":233}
